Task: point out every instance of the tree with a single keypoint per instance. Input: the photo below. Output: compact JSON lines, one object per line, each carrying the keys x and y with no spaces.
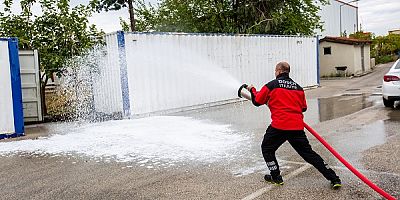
{"x":117,"y":5}
{"x":289,"y":17}
{"x":385,"y":48}
{"x":19,"y":25}
{"x":58,"y":34}
{"x":124,"y":24}
{"x":362,"y":35}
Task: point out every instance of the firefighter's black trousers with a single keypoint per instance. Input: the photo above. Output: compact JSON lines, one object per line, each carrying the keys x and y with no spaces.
{"x":274,"y":138}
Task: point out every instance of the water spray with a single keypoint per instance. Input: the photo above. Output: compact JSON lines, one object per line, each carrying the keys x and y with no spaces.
{"x":243,"y":94}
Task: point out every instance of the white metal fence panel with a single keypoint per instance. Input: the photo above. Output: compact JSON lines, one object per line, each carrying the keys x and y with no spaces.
{"x":172,"y":71}
{"x":11,"y":112}
{"x":107,"y":88}
{"x":6,"y":101}
{"x":32,"y":105}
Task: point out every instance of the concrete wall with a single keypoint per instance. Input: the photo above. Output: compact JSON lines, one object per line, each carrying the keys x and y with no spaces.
{"x":372,"y":63}
{"x":162,"y":71}
{"x":330,"y":15}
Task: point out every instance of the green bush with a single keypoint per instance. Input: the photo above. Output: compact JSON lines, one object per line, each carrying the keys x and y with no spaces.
{"x":385,"y":48}
{"x":384,"y":59}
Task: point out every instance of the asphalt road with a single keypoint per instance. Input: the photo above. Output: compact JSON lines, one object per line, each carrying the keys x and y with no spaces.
{"x":348,"y":113}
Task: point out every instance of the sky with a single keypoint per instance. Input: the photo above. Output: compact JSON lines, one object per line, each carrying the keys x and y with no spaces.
{"x":377,"y":16}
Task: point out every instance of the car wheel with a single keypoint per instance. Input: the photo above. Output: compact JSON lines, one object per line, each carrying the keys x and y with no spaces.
{"x":388,"y":103}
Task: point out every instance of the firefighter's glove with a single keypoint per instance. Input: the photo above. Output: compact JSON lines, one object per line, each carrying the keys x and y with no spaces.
{"x":249,"y":87}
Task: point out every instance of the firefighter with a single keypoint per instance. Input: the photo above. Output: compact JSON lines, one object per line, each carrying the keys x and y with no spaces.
{"x":286,"y":101}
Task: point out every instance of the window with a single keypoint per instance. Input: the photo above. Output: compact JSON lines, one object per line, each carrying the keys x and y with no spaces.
{"x":398,"y":65}
{"x":327,"y":51}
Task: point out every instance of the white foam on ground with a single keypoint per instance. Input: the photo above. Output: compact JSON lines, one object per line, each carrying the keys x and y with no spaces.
{"x":153,"y":141}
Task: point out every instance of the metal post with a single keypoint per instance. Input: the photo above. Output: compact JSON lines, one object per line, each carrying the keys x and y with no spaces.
{"x":340,"y":20}
{"x":357,"y":17}
{"x":16,"y":87}
{"x":318,"y":65}
{"x":124,"y":74}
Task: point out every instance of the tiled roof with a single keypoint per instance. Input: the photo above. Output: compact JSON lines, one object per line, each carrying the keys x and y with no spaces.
{"x":344,"y":40}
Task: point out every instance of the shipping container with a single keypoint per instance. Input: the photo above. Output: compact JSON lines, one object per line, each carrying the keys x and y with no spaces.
{"x":11,"y":111}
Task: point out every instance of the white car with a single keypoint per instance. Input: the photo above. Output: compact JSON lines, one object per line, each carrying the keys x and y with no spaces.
{"x":391,"y":85}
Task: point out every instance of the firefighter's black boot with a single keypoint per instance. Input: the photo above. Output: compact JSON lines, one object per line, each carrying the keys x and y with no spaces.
{"x":275,"y":180}
{"x":336,"y":184}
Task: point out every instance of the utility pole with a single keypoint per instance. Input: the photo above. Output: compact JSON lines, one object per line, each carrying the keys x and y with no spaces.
{"x":131,"y":15}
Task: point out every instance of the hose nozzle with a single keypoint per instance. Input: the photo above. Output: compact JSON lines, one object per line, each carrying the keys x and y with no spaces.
{"x":244,"y":93}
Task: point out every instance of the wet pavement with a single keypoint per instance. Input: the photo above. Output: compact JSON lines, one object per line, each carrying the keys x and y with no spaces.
{"x":352,"y":119}
{"x":339,"y":106}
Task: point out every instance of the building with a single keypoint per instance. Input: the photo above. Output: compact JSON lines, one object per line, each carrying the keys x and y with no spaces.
{"x":394,"y":31}
{"x":344,"y":56}
{"x":339,"y":18}
{"x":338,"y":54}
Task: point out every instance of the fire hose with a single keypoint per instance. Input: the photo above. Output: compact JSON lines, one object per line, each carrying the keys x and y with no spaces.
{"x":243,"y":94}
{"x":348,"y":165}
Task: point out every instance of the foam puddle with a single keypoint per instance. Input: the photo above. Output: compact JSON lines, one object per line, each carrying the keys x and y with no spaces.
{"x":160,"y":141}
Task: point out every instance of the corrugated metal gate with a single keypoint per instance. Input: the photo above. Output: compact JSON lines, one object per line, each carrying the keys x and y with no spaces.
{"x":150,"y":72}
{"x":30,"y":78}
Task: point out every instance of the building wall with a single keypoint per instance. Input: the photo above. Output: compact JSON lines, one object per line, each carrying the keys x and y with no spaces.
{"x":394,"y":32}
{"x":330,"y":15}
{"x":342,"y":55}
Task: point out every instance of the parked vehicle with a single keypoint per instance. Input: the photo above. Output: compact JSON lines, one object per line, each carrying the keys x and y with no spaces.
{"x":391,"y":85}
